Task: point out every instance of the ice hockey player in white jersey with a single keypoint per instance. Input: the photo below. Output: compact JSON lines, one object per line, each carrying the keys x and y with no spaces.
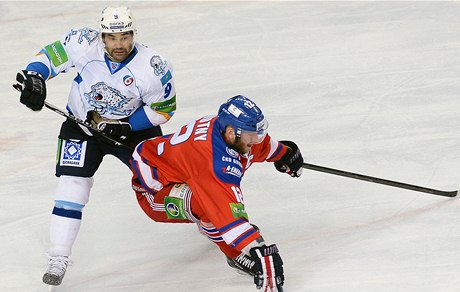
{"x":121,"y":87}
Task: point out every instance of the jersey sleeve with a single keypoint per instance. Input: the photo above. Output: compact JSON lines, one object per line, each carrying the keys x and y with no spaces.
{"x":269,"y":150}
{"x":60,"y":56}
{"x":160,"y":97}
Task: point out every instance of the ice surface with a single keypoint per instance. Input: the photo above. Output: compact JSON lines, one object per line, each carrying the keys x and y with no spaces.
{"x":368,"y":87}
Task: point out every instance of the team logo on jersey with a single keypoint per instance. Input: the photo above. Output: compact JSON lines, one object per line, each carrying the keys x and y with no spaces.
{"x":158,"y":65}
{"x":72,"y":153}
{"x":128,"y":80}
{"x":88,"y":34}
{"x":106,"y":99}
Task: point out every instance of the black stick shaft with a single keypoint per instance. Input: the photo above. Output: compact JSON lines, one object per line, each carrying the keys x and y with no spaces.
{"x":379,"y":180}
{"x":85,"y":124}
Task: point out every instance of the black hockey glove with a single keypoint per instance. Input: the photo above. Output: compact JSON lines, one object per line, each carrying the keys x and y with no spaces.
{"x":33,"y":89}
{"x":268,"y":268}
{"x":292,"y":161}
{"x":115,"y":128}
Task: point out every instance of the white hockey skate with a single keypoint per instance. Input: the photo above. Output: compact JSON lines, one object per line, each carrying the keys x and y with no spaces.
{"x":56,"y":269}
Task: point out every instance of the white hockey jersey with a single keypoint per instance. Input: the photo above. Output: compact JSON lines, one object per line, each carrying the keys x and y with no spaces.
{"x":114,"y":90}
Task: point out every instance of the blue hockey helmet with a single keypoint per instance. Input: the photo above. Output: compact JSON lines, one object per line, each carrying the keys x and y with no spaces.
{"x":242,"y":114}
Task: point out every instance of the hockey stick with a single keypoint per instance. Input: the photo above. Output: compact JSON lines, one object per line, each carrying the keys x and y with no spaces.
{"x":380,"y":180}
{"x":85,"y":124}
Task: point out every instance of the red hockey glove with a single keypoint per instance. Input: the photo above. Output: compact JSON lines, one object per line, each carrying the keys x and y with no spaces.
{"x":33,"y":89}
{"x":292,"y":161}
{"x":268,"y":268}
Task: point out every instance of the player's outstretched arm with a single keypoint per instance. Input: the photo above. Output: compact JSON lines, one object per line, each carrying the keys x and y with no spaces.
{"x":292,"y":161}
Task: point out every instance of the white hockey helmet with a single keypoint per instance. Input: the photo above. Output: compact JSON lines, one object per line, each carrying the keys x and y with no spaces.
{"x":117,"y":19}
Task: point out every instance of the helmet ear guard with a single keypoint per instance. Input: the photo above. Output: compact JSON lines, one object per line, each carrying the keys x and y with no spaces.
{"x":116,"y":19}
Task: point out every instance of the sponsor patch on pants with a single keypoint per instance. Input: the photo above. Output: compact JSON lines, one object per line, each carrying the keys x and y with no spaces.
{"x":72,"y":153}
{"x":175,"y":208}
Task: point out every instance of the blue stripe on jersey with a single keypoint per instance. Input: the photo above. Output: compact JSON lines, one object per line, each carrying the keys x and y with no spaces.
{"x":231,"y":225}
{"x":67,"y":213}
{"x":277,"y":151}
{"x":40,"y":68}
{"x":154,"y":172}
{"x":68,"y":109}
{"x":243,"y":236}
{"x":139,"y":120}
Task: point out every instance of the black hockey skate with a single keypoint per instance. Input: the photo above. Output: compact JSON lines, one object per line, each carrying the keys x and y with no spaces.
{"x":243,"y":263}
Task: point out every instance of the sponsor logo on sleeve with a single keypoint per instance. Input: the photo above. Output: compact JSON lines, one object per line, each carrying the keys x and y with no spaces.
{"x":166,"y":106}
{"x":56,"y":53}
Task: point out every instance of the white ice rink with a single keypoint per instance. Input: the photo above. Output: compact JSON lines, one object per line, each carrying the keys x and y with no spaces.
{"x":368,"y":87}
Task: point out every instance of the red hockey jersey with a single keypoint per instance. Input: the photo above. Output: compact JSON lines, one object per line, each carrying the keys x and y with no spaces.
{"x":198,"y":156}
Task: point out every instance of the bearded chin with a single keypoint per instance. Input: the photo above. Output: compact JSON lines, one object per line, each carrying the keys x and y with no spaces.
{"x":237,"y":146}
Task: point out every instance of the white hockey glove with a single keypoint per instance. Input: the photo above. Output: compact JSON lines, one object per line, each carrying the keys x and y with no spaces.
{"x":291,"y":162}
{"x":33,"y":89}
{"x":268,"y":268}
{"x":115,"y":128}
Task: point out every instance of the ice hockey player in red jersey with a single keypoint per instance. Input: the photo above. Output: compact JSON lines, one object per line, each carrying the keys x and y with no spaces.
{"x":194,"y":175}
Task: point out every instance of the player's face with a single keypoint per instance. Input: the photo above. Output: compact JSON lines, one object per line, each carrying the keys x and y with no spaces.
{"x":247,"y":139}
{"x":118,"y":45}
